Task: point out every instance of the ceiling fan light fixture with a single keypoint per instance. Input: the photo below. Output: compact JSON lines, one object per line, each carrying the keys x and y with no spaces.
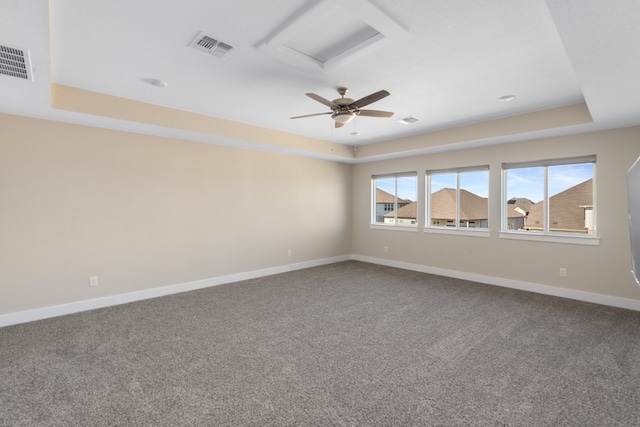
{"x":343,"y":116}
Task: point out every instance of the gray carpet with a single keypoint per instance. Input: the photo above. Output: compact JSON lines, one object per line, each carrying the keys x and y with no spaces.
{"x":340,"y":345}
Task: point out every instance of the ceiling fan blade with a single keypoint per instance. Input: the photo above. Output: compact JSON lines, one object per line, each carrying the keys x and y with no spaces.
{"x":375,"y":113}
{"x":369,"y":99}
{"x":322,"y":100}
{"x":339,"y":125}
{"x":311,"y":115}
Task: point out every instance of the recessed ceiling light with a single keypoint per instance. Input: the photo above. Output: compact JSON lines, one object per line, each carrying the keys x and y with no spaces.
{"x":408,"y":120}
{"x":507,"y":98}
{"x":156,"y":82}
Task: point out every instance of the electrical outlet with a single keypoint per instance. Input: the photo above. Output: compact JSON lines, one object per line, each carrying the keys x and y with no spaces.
{"x":386,"y":249}
{"x":563,"y":272}
{"x":93,"y":281}
{"x":289,"y":252}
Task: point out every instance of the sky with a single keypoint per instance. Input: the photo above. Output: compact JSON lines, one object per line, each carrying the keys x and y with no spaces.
{"x":475,"y":182}
{"x":529,"y":182}
{"x":521,"y":182}
{"x":407,"y":186}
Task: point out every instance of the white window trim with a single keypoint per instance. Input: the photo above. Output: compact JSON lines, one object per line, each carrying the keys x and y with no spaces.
{"x":379,"y":226}
{"x":462,"y":231}
{"x":551,"y":237}
{"x":546,"y":236}
{"x":457,"y":229}
{"x":395,"y":227}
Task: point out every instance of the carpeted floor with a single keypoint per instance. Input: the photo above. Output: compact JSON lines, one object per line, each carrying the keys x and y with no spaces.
{"x":340,"y":345}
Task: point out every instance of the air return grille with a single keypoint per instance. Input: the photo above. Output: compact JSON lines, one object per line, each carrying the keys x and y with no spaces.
{"x":15,"y":62}
{"x":210,"y":45}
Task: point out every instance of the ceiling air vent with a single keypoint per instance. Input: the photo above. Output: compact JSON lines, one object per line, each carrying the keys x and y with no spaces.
{"x":15,"y":62}
{"x":408,"y":120}
{"x":210,"y":45}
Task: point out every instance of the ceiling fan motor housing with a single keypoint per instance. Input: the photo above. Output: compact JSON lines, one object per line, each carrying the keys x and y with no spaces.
{"x":343,"y":110}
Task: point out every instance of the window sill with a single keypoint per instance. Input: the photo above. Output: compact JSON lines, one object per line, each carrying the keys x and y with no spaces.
{"x":411,"y":228}
{"x":458,"y":232}
{"x":550,"y":238}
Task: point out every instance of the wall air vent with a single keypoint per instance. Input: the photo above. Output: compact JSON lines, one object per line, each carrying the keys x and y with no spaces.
{"x":15,"y":62}
{"x":208,"y":44}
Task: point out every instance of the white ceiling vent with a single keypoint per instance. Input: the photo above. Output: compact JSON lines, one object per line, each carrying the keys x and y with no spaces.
{"x":206,"y":43}
{"x":408,"y":120}
{"x":15,"y":62}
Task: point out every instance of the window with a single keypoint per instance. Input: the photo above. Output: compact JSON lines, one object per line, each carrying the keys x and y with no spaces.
{"x":394,"y":199}
{"x":550,"y":197}
{"x":458,"y":198}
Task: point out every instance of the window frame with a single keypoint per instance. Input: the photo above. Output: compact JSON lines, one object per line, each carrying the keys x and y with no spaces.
{"x":395,"y":176}
{"x":456,"y":229}
{"x":545,"y":235}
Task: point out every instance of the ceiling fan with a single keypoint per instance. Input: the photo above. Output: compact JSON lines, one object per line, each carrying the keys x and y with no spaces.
{"x":343,"y":110}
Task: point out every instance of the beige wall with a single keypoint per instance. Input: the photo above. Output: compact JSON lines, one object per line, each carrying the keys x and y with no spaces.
{"x":603,"y":269}
{"x":142,"y":212}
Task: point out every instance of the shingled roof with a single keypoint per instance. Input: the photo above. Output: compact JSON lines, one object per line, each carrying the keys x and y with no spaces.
{"x":522,"y":203}
{"x":384,"y":197}
{"x":566,"y":209}
{"x":407,"y":212}
{"x":472,"y":206}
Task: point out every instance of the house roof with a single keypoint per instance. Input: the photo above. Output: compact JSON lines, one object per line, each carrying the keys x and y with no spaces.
{"x":566,"y":209}
{"x":518,"y":207}
{"x":384,"y":197}
{"x":472,"y":206}
{"x":407,"y":211}
{"x":570,"y":65}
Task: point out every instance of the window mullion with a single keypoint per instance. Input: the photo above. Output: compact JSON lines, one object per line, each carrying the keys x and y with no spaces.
{"x":427,"y":198}
{"x":545,"y":214}
{"x":504,"y":221}
{"x":373,"y":200}
{"x":457,"y":200}
{"x":395,"y":201}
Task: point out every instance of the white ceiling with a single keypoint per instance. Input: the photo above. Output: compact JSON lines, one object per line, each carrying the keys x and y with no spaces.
{"x":449,"y":69}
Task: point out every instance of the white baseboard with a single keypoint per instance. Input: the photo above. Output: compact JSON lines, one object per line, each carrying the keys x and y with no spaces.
{"x":79,"y":306}
{"x":612,"y":301}
{"x":76,"y":307}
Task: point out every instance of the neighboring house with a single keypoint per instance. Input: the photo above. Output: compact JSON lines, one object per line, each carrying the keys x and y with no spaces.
{"x":385,"y":204}
{"x":474,"y":210}
{"x":517,"y":210}
{"x":570,"y":211}
{"x":407,"y":215}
